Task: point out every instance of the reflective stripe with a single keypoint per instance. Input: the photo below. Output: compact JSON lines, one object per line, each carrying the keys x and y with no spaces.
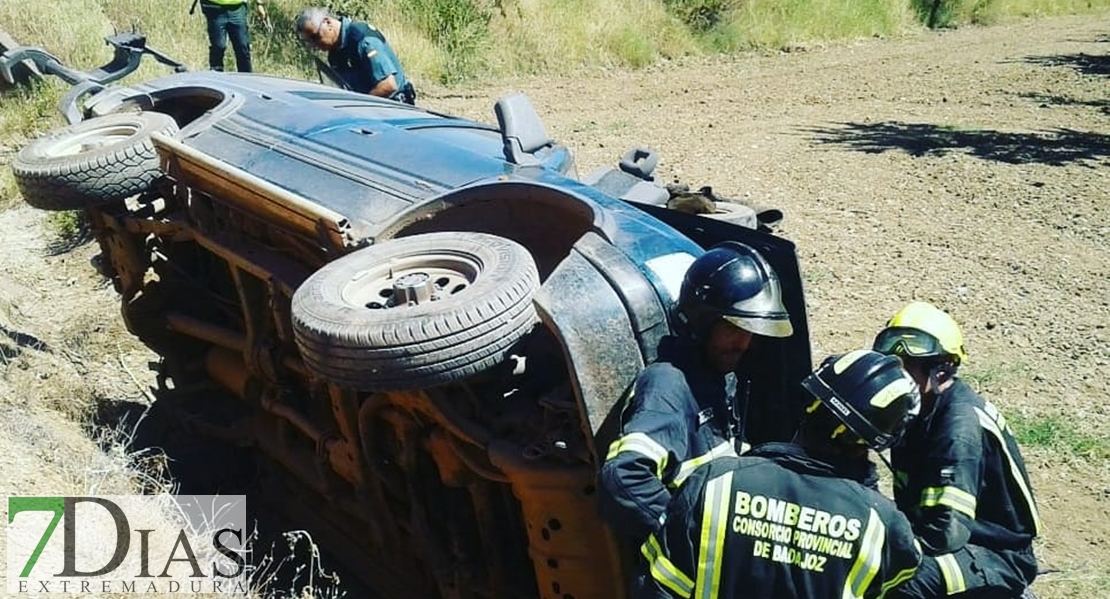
{"x":868,"y":560}
{"x":995,"y":427}
{"x":687,"y":468}
{"x":897,"y":388}
{"x":643,"y":445}
{"x":665,"y":572}
{"x":714,"y":527}
{"x":953,"y":576}
{"x":994,"y":414}
{"x":896,"y":580}
{"x":953,"y":497}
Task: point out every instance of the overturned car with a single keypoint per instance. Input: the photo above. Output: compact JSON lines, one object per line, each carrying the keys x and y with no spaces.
{"x":428,"y":323}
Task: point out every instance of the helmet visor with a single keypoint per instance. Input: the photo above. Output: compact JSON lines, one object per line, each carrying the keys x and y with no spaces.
{"x":907,"y":342}
{"x":777,"y":325}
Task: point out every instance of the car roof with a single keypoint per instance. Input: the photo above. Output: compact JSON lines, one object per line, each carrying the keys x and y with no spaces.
{"x":364,"y":157}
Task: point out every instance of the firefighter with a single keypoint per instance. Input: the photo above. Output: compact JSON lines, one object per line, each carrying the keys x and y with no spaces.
{"x":680,"y":411}
{"x":798,"y":520}
{"x":959,"y":474}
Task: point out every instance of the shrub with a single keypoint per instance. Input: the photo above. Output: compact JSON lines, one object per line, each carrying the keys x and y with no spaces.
{"x":935,"y":13}
{"x":459,"y":28}
{"x":700,"y":15}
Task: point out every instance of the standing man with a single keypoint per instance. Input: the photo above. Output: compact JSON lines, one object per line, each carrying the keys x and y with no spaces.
{"x":959,"y":474}
{"x":358,"y":52}
{"x":228,"y":19}
{"x":682,"y":409}
{"x":798,"y":520}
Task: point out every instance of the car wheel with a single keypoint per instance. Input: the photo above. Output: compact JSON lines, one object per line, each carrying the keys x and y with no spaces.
{"x":416,"y":311}
{"x":99,"y":161}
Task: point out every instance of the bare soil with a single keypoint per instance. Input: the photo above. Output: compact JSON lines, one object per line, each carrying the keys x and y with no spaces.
{"x":970,"y":168}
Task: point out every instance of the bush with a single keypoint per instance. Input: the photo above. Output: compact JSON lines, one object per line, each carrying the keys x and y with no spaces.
{"x":70,"y":227}
{"x":700,"y":15}
{"x":935,"y":13}
{"x":459,"y":28}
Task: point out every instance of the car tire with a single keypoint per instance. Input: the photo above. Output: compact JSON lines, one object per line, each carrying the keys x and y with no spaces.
{"x":351,"y":332}
{"x":99,"y":161}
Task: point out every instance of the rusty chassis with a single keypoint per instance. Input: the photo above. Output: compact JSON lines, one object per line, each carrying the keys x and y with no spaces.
{"x":372,"y":455}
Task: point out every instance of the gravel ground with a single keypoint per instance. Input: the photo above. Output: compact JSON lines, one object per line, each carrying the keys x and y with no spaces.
{"x":966,"y":167}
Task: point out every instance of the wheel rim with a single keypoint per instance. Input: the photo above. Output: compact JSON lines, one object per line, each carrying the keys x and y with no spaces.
{"x":412,"y":280}
{"x":86,"y":141}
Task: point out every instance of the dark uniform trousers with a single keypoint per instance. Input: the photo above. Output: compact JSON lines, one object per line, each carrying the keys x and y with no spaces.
{"x":226,"y":21}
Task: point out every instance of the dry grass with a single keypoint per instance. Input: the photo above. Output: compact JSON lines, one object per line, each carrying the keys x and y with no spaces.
{"x":102,"y":464}
{"x":1001,"y":11}
{"x":581,"y":34}
{"x":57,"y":368}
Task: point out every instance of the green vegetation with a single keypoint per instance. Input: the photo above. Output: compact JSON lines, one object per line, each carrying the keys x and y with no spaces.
{"x":24,"y":113}
{"x":989,"y":377}
{"x":771,"y":24}
{"x":1064,"y":434}
{"x":455,"y":41}
{"x":459,"y":28}
{"x":952,"y":13}
{"x":1058,"y":433}
{"x":68,"y":226}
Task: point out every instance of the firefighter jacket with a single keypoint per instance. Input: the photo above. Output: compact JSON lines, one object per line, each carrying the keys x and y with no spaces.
{"x":777,"y":523}
{"x":961,"y":479}
{"x":678,"y":415}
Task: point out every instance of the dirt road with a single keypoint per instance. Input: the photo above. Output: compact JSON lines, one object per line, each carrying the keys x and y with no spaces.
{"x":968,"y":168}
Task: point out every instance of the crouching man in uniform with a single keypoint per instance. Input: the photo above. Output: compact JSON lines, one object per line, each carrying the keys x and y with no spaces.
{"x":798,"y":520}
{"x":959,"y":474}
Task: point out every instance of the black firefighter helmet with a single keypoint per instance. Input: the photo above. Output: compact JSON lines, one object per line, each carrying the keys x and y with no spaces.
{"x":872,"y":397}
{"x":734,"y":282}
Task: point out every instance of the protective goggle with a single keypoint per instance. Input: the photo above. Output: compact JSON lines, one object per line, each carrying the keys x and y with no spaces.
{"x":909,"y":343}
